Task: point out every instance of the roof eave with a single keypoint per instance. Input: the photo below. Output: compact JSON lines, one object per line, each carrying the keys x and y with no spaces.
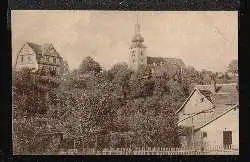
{"x":222,"y":114}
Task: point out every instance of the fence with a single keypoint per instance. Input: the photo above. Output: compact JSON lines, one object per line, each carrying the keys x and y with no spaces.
{"x":211,"y":150}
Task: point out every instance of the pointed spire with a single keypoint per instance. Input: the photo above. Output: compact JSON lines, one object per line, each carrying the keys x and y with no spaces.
{"x":137,"y":25}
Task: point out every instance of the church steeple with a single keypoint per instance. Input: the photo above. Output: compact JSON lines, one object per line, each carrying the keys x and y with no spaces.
{"x":137,"y":36}
{"x":137,"y":51}
{"x":137,"y":26}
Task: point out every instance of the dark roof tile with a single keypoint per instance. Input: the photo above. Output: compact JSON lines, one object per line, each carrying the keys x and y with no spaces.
{"x":35,"y":47}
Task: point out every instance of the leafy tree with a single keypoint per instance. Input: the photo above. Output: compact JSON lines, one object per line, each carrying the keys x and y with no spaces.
{"x":233,"y":67}
{"x":115,"y":107}
{"x":89,"y":65}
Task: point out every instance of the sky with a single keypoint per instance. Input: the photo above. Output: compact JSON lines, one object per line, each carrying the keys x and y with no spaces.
{"x":202,"y":39}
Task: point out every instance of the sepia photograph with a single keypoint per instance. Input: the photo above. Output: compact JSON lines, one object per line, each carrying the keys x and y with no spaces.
{"x":88,"y":82}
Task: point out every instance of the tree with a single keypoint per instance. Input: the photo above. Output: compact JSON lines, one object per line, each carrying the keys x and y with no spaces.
{"x":233,"y":67}
{"x":89,"y":65}
{"x":121,"y":74}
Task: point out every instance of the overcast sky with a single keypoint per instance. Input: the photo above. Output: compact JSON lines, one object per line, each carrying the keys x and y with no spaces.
{"x":204,"y":40}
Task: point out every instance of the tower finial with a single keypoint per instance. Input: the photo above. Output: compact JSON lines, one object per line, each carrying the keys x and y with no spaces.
{"x":137,"y":21}
{"x":137,"y":25}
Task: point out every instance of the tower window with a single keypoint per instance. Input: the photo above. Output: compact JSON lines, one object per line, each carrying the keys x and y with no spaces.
{"x":133,"y":53}
{"x":133,"y":61}
{"x":141,"y":61}
{"x":141,"y":53}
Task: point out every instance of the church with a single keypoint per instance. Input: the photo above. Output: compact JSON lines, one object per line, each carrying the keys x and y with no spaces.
{"x":137,"y":50}
{"x":138,"y":54}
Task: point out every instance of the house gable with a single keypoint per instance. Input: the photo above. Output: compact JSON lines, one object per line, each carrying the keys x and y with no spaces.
{"x":196,"y":102}
{"x":26,"y":58}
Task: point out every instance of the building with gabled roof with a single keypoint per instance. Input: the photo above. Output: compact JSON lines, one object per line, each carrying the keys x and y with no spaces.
{"x":210,"y":116}
{"x":42,"y":58}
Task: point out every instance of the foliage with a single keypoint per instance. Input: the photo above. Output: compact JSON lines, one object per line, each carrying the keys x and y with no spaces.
{"x":233,"y":67}
{"x":89,"y":65}
{"x":116,"y":107}
{"x":29,"y":136}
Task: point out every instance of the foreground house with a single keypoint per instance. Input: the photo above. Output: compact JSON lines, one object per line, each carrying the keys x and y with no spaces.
{"x":210,"y":117}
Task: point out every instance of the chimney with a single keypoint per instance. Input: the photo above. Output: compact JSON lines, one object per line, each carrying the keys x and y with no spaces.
{"x":213,"y":84}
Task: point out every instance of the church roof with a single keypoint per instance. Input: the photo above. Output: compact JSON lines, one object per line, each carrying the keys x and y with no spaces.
{"x":159,"y":60}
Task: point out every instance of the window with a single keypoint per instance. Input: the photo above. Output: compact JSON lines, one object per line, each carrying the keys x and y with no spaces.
{"x":29,"y":58}
{"x":204,"y":134}
{"x":202,"y":99}
{"x":227,"y":138}
{"x":21,"y":58}
{"x":133,"y":61}
{"x":54,"y":60}
{"x":141,"y":53}
{"x":142,"y":61}
{"x":47,"y":58}
{"x":133,"y":53}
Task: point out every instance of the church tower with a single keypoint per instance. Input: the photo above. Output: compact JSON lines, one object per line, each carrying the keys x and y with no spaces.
{"x":137,"y":51}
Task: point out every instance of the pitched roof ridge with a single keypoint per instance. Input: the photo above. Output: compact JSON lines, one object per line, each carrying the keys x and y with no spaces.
{"x":35,"y":47}
{"x":186,"y":101}
{"x":218,"y":116}
{"x":194,"y":114}
{"x":28,"y":42}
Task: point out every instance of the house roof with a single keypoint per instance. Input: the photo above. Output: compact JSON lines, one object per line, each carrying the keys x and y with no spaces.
{"x":224,"y":100}
{"x":216,"y":115}
{"x":220,"y":88}
{"x":41,"y":50}
{"x":36,"y":48}
{"x":207,"y":94}
{"x":211,"y":115}
{"x":225,"y":94}
{"x":182,"y":106}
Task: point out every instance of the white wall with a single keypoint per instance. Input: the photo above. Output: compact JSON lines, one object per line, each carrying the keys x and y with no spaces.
{"x":228,"y":122}
{"x":194,"y":105}
{"x":26,"y":52}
